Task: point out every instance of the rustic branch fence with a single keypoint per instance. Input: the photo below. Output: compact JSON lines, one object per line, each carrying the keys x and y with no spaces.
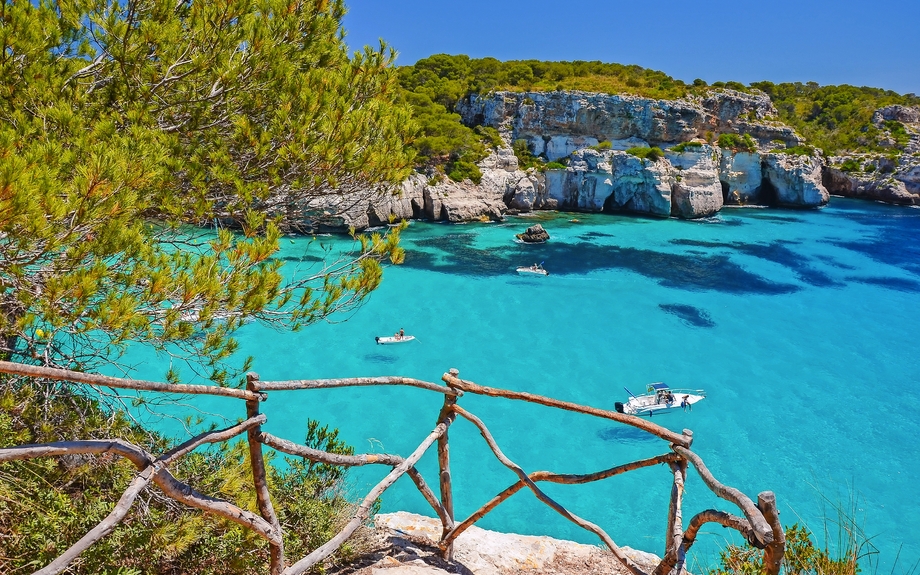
{"x":759,"y":525}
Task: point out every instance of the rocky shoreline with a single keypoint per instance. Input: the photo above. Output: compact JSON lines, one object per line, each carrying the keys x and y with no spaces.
{"x":695,"y":177}
{"x":404,"y":544}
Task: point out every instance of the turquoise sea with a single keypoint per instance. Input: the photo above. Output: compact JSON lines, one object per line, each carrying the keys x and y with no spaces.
{"x":802,"y":326}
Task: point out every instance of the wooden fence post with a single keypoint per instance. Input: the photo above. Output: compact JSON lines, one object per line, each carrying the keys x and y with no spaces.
{"x":259,"y":477}
{"x":773,"y":553}
{"x":446,"y":416}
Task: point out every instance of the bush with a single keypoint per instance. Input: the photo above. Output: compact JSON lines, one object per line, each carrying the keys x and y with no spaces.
{"x":851,"y":165}
{"x":687,"y":147}
{"x":50,"y":503}
{"x":737,"y":142}
{"x":554,"y":166}
{"x":605,"y":145}
{"x":652,"y":154}
{"x":526,"y":159}
{"x":462,"y":170}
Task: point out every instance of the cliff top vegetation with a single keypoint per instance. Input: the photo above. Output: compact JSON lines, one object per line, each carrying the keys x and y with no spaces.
{"x":833,"y":118}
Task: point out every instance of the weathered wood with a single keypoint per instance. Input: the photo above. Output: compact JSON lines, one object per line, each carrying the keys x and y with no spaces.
{"x":739,"y":524}
{"x":632,"y":420}
{"x":446,"y":416}
{"x":354,"y":382}
{"x":483,"y":430}
{"x":773,"y":553}
{"x":162,"y":477}
{"x":209,"y":437}
{"x":763,"y":533}
{"x":119,"y":383}
{"x":552,"y":478}
{"x":259,"y":478}
{"x":363,"y":511}
{"x":429,"y":495}
{"x":673,"y":558}
{"x":104,"y":527}
{"x":291,"y":448}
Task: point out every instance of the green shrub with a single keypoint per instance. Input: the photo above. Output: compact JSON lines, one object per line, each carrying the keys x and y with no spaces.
{"x":526,"y":159}
{"x":463,"y":169}
{"x":652,"y":154}
{"x":851,"y":165}
{"x":50,"y":503}
{"x":528,"y":101}
{"x":687,"y":147}
{"x":605,"y":145}
{"x":737,"y":142}
{"x":554,"y":166}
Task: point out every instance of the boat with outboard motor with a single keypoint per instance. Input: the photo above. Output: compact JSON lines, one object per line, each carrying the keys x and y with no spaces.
{"x":388,"y":339}
{"x":660,"y":398}
{"x":536,"y":269}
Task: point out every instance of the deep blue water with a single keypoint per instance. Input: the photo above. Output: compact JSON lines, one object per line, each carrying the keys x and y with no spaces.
{"x":802,"y":326}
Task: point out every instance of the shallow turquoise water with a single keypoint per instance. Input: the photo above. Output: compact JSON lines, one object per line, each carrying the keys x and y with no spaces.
{"x":801,"y":325}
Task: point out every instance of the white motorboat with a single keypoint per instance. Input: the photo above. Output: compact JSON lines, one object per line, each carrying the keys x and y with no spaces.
{"x":388,"y":339}
{"x":660,"y":398}
{"x":534,"y":269}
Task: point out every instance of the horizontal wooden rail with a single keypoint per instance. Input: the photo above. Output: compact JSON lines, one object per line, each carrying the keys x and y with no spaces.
{"x":654,"y":429}
{"x":354,"y":382}
{"x":119,"y":383}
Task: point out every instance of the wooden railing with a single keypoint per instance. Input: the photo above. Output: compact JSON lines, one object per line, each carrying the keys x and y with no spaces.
{"x":759,"y":524}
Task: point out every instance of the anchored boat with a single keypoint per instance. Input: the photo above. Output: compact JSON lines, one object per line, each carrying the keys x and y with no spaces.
{"x":534,"y":269}
{"x":388,"y":339}
{"x":660,"y":398}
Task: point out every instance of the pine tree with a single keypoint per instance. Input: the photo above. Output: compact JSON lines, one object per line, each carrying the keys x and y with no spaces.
{"x":122,"y":123}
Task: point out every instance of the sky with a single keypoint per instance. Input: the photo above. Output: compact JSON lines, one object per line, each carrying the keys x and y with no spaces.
{"x":830,"y":42}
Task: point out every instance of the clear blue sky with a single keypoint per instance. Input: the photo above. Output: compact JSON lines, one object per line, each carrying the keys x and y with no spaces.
{"x":873,"y":43}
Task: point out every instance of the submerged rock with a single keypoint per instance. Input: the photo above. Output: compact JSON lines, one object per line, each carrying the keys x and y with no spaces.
{"x":535,"y":234}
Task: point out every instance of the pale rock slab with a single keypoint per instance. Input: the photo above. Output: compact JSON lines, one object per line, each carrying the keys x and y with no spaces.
{"x":696,"y":191}
{"x":742,"y":177}
{"x":797,"y":180}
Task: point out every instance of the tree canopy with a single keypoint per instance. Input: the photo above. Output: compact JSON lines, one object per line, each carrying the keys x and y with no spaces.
{"x":122,"y":121}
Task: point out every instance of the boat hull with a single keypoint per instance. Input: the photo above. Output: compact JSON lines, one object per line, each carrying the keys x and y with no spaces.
{"x":531,"y":271}
{"x":648,"y":406}
{"x":389,"y":339}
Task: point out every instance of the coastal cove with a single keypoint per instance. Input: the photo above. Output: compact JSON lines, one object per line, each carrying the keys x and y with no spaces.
{"x":800,"y":325}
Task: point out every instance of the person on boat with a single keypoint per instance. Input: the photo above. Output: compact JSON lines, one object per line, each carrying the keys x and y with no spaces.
{"x":534,"y":267}
{"x":401,"y":334}
{"x":685,"y":404}
{"x":668,"y":398}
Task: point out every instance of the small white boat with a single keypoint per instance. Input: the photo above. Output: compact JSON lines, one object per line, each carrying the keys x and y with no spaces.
{"x":659,"y":399}
{"x":388,"y":339}
{"x":534,"y":269}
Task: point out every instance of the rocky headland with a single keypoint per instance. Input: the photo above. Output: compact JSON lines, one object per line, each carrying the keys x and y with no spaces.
{"x":590,"y":141}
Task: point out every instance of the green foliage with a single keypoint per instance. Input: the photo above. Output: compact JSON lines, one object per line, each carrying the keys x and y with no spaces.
{"x":897,"y":131}
{"x":554,"y":166}
{"x":835,"y":118}
{"x":48,"y":504}
{"x":526,"y":159}
{"x":687,"y":147}
{"x":121,"y":122}
{"x":802,"y":556}
{"x":851,"y":165}
{"x":653,"y":154}
{"x":737,"y":142}
{"x":605,"y":145}
{"x":462,"y":169}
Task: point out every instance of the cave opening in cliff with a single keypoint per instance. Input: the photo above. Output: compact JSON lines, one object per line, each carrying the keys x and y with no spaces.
{"x":768,"y":195}
{"x":725,"y":192}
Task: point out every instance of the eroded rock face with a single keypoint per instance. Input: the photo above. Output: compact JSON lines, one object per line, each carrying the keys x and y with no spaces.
{"x":696,"y":191}
{"x":741,"y":176}
{"x":796,"y":179}
{"x":535,"y":234}
{"x":900,"y":185}
{"x":558,"y":123}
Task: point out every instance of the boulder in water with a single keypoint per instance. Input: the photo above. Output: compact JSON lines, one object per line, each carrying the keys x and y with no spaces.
{"x":534,"y":235}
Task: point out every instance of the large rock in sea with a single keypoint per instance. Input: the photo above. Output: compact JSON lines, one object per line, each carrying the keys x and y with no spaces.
{"x":797,"y":180}
{"x":640,"y":186}
{"x":741,"y":176}
{"x":535,"y":234}
{"x":696,"y":191}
